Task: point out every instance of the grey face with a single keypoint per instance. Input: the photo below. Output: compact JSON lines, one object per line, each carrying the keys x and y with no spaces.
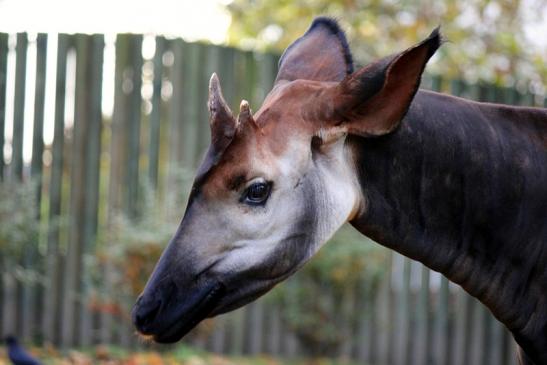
{"x":235,"y":244}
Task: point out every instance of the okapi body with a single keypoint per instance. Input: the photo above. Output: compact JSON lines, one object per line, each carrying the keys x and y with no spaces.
{"x":458,"y":185}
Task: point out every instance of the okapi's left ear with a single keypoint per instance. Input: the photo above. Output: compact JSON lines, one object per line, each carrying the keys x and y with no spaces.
{"x":321,"y":54}
{"x":375,"y":99}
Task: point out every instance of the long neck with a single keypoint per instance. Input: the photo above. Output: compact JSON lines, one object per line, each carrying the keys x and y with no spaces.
{"x":461,"y":187}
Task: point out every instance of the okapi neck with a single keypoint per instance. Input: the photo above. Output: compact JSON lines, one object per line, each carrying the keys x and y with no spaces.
{"x":459,"y":186}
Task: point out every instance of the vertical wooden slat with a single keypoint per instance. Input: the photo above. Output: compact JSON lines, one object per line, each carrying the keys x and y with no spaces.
{"x":175,"y":136}
{"x":3,"y":80}
{"x":155,"y":115}
{"x":403,"y":316}
{"x":273,"y":332}
{"x":93,"y":80}
{"x":5,"y":293}
{"x":422,"y":337}
{"x":118,"y":128}
{"x":218,"y":339}
{"x":77,"y":203}
{"x":39,"y":99}
{"x":3,"y":77}
{"x":255,"y":327}
{"x":132,"y":124}
{"x":84,"y":187}
{"x":441,"y":324}
{"x":117,"y":168}
{"x":133,"y":127}
{"x":17,"y":158}
{"x":30,"y":304}
{"x":383,"y":308}
{"x":190,"y":101}
{"x":477,"y":334}
{"x":52,"y":299}
{"x":19,"y":106}
{"x":363,"y":352}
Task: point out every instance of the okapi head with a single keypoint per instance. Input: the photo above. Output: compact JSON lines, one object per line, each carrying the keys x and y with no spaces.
{"x":277,"y":184}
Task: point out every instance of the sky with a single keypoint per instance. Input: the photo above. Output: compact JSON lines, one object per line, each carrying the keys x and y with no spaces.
{"x":191,"y":19}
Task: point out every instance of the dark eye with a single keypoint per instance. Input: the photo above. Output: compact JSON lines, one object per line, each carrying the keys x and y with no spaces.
{"x":257,"y":193}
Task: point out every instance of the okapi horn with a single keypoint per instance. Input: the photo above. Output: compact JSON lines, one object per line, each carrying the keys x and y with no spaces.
{"x":221,"y":119}
{"x":245,"y":115}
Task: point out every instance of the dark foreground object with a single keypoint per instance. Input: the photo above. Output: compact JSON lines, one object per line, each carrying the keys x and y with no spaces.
{"x":17,"y":353}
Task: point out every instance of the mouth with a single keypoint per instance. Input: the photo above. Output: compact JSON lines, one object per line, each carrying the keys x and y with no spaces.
{"x":186,"y":318}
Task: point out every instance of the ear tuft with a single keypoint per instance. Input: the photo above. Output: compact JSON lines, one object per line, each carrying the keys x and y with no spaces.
{"x":321,"y":54}
{"x":332,"y":25}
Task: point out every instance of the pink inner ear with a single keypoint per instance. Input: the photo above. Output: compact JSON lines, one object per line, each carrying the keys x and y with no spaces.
{"x":402,"y":81}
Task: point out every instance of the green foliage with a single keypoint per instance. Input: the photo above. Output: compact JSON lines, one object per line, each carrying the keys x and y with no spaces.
{"x":130,"y":248}
{"x":319,"y":300}
{"x":19,"y":226}
{"x":487,"y":39}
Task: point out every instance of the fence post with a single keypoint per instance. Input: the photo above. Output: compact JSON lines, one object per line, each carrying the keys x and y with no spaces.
{"x":19,"y":106}
{"x":30,"y":305}
{"x":175,"y":137}
{"x":384,"y":309}
{"x":403,"y":316}
{"x":422,"y":338}
{"x":52,"y":299}
{"x":3,"y":81}
{"x":155,"y":115}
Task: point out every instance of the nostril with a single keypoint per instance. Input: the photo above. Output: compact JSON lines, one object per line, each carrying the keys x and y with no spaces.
{"x":145,"y":313}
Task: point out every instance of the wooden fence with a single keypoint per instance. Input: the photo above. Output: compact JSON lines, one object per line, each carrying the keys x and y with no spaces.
{"x":90,"y":161}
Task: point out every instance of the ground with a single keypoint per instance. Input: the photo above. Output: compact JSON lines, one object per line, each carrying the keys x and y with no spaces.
{"x":182,"y":355}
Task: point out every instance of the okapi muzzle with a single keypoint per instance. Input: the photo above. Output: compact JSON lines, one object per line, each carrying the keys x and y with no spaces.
{"x":276,"y":185}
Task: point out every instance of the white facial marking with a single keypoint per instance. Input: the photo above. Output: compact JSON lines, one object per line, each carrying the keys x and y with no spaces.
{"x":322,"y":185}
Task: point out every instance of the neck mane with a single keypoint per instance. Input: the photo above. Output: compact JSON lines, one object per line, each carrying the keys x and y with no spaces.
{"x":461,"y":187}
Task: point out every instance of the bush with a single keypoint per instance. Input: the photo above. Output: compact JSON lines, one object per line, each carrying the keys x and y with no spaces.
{"x":319,"y":301}
{"x":19,"y":226}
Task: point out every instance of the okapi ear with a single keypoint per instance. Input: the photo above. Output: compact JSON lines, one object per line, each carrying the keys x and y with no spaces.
{"x":321,"y":54}
{"x":375,"y":99}
{"x":222,"y":122}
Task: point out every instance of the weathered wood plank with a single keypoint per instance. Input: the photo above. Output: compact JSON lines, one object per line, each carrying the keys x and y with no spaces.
{"x":441,"y":324}
{"x":190,"y":102}
{"x":39,"y":103}
{"x":155,"y":115}
{"x":133,"y":124}
{"x":175,"y":136}
{"x":19,"y":106}
{"x":93,"y":109}
{"x":422,"y":337}
{"x":17,"y":157}
{"x":78,"y":185}
{"x":31,"y":290}
{"x":5,"y":293}
{"x":52,"y":299}
{"x":383,"y":308}
{"x":3,"y":86}
{"x":403,"y":316}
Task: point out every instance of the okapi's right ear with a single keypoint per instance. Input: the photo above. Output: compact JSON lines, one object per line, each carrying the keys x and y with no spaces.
{"x":373,"y":100}
{"x":222,"y":122}
{"x":321,"y":54}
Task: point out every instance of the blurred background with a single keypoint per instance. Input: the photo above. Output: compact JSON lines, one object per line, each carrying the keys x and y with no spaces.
{"x":103,"y":121}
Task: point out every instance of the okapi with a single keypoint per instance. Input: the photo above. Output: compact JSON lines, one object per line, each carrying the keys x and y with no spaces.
{"x":458,"y":185}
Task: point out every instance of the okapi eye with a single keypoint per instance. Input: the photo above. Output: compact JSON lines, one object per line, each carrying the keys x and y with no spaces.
{"x":257,"y":193}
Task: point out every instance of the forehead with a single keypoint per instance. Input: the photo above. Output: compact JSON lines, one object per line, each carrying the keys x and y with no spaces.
{"x":260,"y":152}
